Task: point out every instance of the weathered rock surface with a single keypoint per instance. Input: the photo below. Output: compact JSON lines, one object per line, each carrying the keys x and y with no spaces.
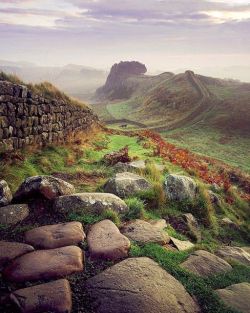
{"x":139,"y":285}
{"x":227,"y":222}
{"x":106,"y":242}
{"x":135,"y":166}
{"x":187,"y":225}
{"x":45,"y":264}
{"x":181,"y":245}
{"x":120,"y":156}
{"x":247,"y":249}
{"x":203,"y":263}
{"x":55,"y":236}
{"x":89,"y":202}
{"x":48,"y":187}
{"x":234,"y":254}
{"x":179,"y":187}
{"x":12,"y":214}
{"x":160,"y":224}
{"x":143,"y":232}
{"x":12,"y":250}
{"x":126,"y":184}
{"x":5,"y":193}
{"x":236,"y":296}
{"x":50,"y":297}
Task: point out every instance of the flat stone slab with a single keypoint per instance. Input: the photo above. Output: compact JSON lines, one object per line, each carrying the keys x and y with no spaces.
{"x":234,"y":254}
{"x":89,"y":202}
{"x":181,"y":245}
{"x":13,"y":214}
{"x":46,"y":186}
{"x":143,"y":232}
{"x":56,"y":236}
{"x":106,"y":242}
{"x":139,"y":285}
{"x":160,"y":224}
{"x":236,"y":296}
{"x":203,"y":263}
{"x":126,"y":184}
{"x":11,"y":250}
{"x":45,"y":264}
{"x":50,"y":297}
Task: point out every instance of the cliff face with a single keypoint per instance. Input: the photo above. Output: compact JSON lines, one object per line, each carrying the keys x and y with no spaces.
{"x":115,"y":86}
{"x":27,"y":119}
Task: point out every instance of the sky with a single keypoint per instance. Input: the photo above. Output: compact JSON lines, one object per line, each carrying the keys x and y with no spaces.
{"x":163,"y":34}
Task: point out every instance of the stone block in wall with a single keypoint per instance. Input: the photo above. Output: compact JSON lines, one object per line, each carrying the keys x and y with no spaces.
{"x":3,"y":108}
{"x":4,"y":122}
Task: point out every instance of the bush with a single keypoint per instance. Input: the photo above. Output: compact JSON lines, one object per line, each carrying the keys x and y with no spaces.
{"x":136,"y":209}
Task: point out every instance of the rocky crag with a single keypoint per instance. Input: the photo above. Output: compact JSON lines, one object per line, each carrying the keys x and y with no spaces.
{"x":27,"y":118}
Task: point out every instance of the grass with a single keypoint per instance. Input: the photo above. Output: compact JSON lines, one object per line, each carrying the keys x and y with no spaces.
{"x":136,"y":209}
{"x":202,"y":289}
{"x":211,"y":142}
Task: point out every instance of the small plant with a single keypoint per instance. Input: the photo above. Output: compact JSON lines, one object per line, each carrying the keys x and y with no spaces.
{"x":111,"y":215}
{"x":136,"y":209}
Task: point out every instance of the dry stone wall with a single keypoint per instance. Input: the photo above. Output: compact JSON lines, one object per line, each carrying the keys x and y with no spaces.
{"x":27,"y":119}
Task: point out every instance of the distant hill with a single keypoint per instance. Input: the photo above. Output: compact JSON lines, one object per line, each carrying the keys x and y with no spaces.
{"x":76,"y":80}
{"x":168,"y":101}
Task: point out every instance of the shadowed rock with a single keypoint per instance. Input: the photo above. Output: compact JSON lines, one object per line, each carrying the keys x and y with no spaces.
{"x":13,"y":214}
{"x":48,"y":187}
{"x":139,"y":285}
{"x":50,"y":297}
{"x":12,"y":250}
{"x":45,"y":264}
{"x":55,"y":236}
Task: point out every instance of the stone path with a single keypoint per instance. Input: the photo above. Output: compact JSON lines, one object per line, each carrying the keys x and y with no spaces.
{"x":106,"y":242}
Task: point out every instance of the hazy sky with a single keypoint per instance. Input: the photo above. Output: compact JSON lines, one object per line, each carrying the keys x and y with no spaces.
{"x":164,"y":34}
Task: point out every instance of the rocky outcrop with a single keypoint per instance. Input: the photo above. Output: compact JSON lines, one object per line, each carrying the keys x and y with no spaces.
{"x":115,"y":88}
{"x":139,"y":285}
{"x":28,"y":119}
{"x":236,"y":297}
{"x":179,"y":187}
{"x":5,"y":193}
{"x":55,"y":236}
{"x":47,"y":187}
{"x":106,"y":242}
{"x":144,"y":232}
{"x":203,"y":263}
{"x":126,"y":184}
{"x":89,"y":202}
{"x":12,"y":214}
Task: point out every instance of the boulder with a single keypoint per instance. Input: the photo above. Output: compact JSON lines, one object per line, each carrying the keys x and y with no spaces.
{"x":106,"y":242}
{"x":135,"y":166}
{"x":143,"y":232}
{"x":234,"y":254}
{"x":126,"y":184}
{"x":236,"y":297}
{"x":181,"y":245}
{"x":48,"y":187}
{"x":89,"y":202}
{"x":50,"y":297}
{"x":179,"y":187}
{"x":187,"y":225}
{"x":229,"y":223}
{"x":55,"y":236}
{"x":139,"y":285}
{"x":203,"y":263}
{"x":13,"y":214}
{"x":5,"y":193}
{"x":11,"y":250}
{"x":115,"y":157}
{"x":45,"y":264}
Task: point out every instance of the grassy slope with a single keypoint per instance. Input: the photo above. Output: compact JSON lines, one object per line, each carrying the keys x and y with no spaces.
{"x":231,"y":149}
{"x":87,"y":158}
